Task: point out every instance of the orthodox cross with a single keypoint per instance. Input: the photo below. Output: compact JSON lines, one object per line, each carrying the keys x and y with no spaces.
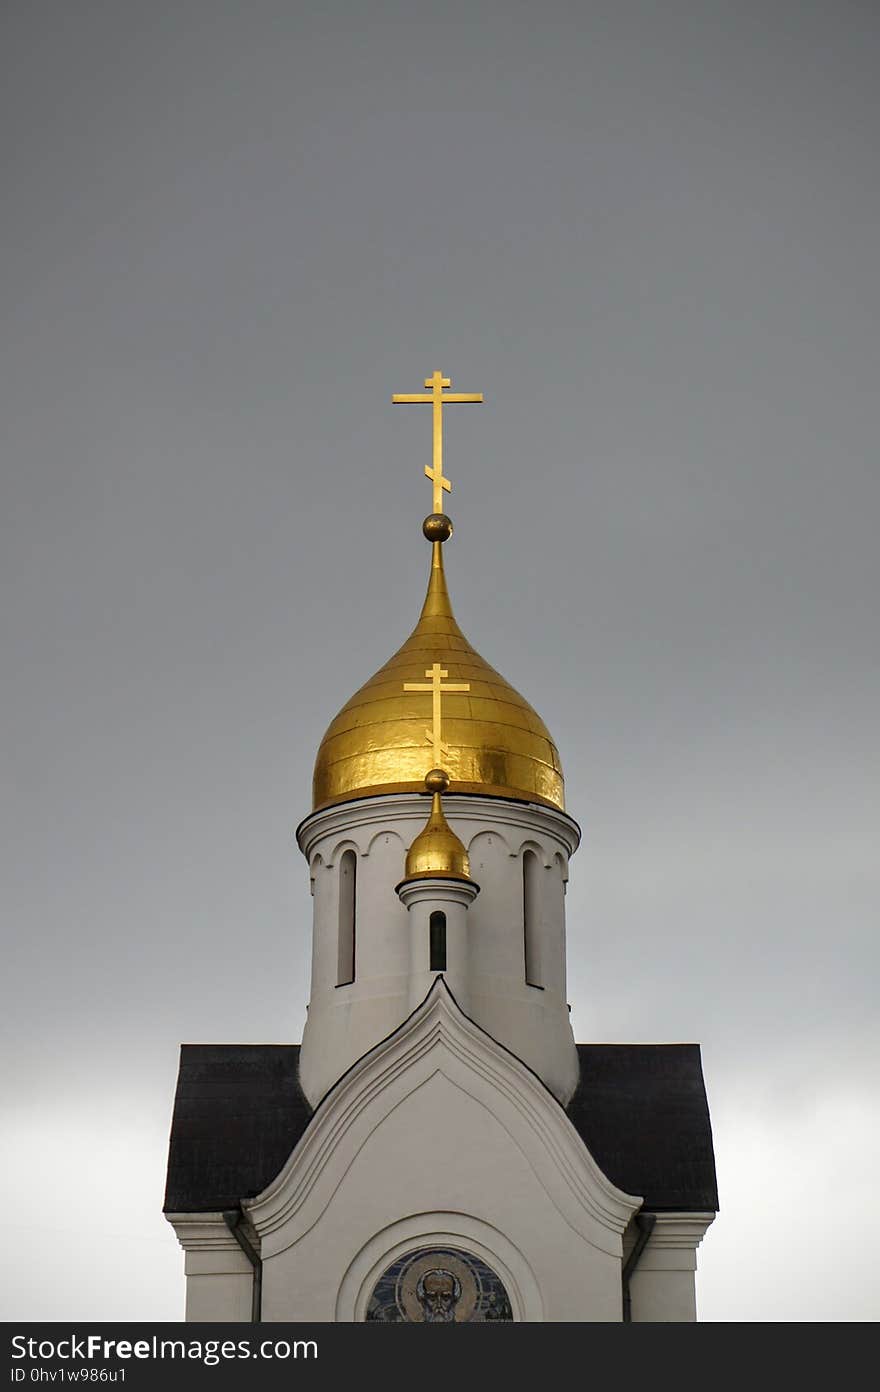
{"x":438,"y":384}
{"x":436,"y":686}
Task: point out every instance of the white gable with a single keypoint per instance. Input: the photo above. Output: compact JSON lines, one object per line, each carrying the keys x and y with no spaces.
{"x":439,"y":1136}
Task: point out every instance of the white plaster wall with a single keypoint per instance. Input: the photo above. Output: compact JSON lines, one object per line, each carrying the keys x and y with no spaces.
{"x":219,"y":1295}
{"x":662,"y":1296}
{"x":343,"y":1022}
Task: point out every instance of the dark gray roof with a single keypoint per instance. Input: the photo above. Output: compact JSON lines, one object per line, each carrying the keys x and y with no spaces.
{"x":238,"y":1112}
{"x":642,"y":1111}
{"x":640,"y":1108}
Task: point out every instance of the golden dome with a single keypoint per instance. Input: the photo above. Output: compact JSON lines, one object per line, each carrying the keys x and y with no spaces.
{"x":494,"y":743}
{"x":437,"y":852}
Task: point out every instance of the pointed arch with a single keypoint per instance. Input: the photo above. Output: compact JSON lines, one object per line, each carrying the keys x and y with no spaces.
{"x":439,"y":1044}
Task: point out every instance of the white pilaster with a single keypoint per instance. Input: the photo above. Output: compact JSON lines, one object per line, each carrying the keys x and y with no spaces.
{"x":219,"y":1277}
{"x":663,"y":1284}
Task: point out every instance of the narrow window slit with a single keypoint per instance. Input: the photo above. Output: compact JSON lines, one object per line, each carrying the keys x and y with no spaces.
{"x":438,"y":941}
{"x":347,"y":917}
{"x":531,"y":919}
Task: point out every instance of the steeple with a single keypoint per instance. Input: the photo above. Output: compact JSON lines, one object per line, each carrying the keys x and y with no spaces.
{"x":472,"y":886}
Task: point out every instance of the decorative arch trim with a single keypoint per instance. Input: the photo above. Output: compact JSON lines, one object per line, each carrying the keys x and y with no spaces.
{"x":438,"y":1036}
{"x":347,"y":844}
{"x":530,"y":844}
{"x":385,"y":831}
{"x":490,"y":833}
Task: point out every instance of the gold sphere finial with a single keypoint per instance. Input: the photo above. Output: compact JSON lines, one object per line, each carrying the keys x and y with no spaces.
{"x":437,"y":780}
{"x":437,"y":527}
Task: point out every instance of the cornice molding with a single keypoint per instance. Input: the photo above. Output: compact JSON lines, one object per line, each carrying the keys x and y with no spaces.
{"x":202,"y":1232}
{"x":373,"y":812}
{"x":680,"y":1230}
{"x":436,"y":890}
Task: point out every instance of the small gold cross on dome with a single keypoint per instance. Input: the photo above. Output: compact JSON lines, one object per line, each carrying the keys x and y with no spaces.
{"x":436,"y":686}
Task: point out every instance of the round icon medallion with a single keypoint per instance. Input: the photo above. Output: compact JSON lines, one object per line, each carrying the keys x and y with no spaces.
{"x":438,"y":1286}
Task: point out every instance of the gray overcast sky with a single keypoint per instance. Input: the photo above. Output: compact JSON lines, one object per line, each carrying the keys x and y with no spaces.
{"x":649,"y":234}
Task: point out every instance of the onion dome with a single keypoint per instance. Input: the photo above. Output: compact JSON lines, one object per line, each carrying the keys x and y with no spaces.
{"x":493,"y":743}
{"x":437,"y":853}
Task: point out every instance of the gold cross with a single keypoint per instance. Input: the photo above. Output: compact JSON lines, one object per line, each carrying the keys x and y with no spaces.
{"x":438,"y":383}
{"x":436,"y":687}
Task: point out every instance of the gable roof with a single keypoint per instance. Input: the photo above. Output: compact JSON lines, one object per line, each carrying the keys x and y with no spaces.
{"x":238,"y":1112}
{"x":642,"y":1112}
{"x":640,"y":1108}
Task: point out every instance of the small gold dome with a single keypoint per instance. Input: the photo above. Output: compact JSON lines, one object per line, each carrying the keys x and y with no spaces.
{"x":437,"y":852}
{"x":496,"y":744}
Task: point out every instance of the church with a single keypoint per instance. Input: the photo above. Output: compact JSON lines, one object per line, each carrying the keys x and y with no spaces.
{"x":439,"y":1148}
